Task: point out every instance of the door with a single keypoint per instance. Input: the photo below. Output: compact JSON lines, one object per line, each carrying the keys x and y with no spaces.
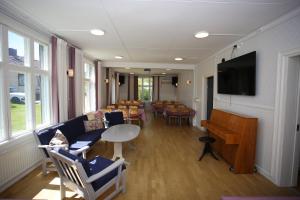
{"x":290,"y":138}
{"x":210,"y":96}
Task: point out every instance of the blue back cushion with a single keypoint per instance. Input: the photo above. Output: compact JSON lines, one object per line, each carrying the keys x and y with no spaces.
{"x":73,"y":128}
{"x":84,"y":162}
{"x":114,"y":118}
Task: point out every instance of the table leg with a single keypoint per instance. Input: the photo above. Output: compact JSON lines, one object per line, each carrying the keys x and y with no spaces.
{"x":117,"y":150}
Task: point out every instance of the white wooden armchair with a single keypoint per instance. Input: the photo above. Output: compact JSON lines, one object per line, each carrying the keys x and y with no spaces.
{"x":90,"y":178}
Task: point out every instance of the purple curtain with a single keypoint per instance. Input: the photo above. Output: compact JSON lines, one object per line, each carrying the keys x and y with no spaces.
{"x":54,"y":81}
{"x":97,"y":82}
{"x":153,"y":86}
{"x":71,"y":96}
{"x":107,"y":87}
{"x":158,"y":92}
{"x":135,"y":86}
{"x":128,"y":97}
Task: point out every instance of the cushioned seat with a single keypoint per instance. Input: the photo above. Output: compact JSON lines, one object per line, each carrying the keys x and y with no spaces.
{"x":98,"y":164}
{"x":86,"y":139}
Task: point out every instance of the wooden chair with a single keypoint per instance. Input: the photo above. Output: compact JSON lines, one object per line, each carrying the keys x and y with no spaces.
{"x":184,"y":113}
{"x":134,"y":115}
{"x":111,"y":107}
{"x":122,"y":107}
{"x":172,"y":113}
{"x":133,"y":107}
{"x":90,"y":178}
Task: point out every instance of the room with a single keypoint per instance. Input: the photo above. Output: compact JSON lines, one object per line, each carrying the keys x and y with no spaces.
{"x":164,"y":99}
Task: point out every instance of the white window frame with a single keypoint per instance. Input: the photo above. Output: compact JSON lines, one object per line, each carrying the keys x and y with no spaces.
{"x":30,"y":73}
{"x":150,"y":86}
{"x":91,"y":83}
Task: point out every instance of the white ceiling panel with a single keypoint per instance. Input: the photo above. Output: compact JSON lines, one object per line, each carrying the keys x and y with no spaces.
{"x":151,"y":30}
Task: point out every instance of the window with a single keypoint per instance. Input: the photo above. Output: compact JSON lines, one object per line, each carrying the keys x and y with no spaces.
{"x":18,"y":105}
{"x":25,"y":98}
{"x":145,"y":88}
{"x":40,"y":56}
{"x":18,"y":50}
{"x":89,"y":88}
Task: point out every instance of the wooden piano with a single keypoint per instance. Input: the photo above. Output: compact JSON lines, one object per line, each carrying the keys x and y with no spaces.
{"x":235,"y":139}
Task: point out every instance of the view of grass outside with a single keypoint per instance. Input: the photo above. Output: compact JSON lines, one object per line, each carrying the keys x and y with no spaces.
{"x":144,"y":88}
{"x":18,"y":116}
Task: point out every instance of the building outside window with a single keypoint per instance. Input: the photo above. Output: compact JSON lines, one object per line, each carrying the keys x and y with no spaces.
{"x":89,"y":88}
{"x":25,"y":102}
{"x":145,"y":88}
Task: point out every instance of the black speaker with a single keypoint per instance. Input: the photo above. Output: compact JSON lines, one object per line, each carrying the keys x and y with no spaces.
{"x":121,"y":79}
{"x":175,"y":81}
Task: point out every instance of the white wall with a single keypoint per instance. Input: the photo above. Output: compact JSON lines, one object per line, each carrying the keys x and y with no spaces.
{"x":268,"y":42}
{"x":184,"y":90}
{"x":167,"y":91}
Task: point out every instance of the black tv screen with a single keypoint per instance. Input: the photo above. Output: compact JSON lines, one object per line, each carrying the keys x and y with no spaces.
{"x":237,"y":76}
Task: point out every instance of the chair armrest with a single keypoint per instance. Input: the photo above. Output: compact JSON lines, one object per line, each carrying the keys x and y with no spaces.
{"x":78,"y":151}
{"x":105,"y":171}
{"x":52,"y":146}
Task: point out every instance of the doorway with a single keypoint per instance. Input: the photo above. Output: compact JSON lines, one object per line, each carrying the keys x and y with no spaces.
{"x":287,"y":122}
{"x":209,"y":96}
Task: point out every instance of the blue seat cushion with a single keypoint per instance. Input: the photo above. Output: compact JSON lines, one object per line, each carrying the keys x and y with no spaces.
{"x":114,"y":118}
{"x":86,"y":139}
{"x":97,"y":165}
{"x":84,"y":162}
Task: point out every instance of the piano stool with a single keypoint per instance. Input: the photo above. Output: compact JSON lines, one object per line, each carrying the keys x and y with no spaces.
{"x":207,"y":140}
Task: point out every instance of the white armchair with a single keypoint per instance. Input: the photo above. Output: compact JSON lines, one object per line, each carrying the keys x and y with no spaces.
{"x":90,"y":178}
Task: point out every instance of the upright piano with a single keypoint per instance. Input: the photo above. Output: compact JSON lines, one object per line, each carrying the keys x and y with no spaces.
{"x":235,"y":139}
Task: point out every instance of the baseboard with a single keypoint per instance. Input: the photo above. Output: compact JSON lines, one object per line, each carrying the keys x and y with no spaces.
{"x":19,"y":176}
{"x":264,"y":173}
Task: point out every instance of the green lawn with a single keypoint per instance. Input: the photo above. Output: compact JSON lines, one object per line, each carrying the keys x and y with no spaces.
{"x":18,"y":116}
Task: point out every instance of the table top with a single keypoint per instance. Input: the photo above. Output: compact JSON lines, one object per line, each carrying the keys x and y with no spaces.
{"x":121,"y":133}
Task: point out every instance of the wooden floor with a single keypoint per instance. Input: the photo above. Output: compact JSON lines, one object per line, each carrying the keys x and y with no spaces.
{"x":164,"y":165}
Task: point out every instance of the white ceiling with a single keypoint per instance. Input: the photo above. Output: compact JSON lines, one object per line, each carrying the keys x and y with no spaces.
{"x":153,"y":31}
{"x":155,"y":71}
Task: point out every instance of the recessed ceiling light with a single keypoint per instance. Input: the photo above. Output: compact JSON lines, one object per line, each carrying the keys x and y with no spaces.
{"x":127,"y":68}
{"x":97,"y":32}
{"x":164,"y":73}
{"x":118,"y":57}
{"x":131,"y":73}
{"x":168,"y":69}
{"x":201,"y":34}
{"x":178,"y":59}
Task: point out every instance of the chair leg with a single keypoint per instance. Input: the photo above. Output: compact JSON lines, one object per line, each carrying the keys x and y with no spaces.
{"x":44,"y":167}
{"x":123,"y":179}
{"x":62,"y":189}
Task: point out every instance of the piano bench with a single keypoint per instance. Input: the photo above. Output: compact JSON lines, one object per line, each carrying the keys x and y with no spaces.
{"x":207,"y":147}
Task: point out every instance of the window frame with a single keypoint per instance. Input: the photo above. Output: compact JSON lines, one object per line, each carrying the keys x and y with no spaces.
{"x":150,"y":87}
{"x":30,"y":73}
{"x":91,"y":83}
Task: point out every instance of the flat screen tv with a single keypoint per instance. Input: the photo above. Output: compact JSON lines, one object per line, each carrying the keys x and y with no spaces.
{"x":237,"y":76}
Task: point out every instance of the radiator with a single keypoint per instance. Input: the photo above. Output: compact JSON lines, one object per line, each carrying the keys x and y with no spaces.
{"x":17,"y":159}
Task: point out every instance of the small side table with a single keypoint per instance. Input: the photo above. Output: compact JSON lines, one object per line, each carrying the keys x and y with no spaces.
{"x":207,"y":140}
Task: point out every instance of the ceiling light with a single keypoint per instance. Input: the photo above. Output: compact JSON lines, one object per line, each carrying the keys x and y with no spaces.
{"x":127,"y":68}
{"x":118,"y":57}
{"x":97,"y":32}
{"x":201,"y":34}
{"x":131,"y":73}
{"x":164,"y":73}
{"x":178,"y":59}
{"x":168,"y":69}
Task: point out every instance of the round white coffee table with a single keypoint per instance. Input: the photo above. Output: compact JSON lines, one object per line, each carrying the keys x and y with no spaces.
{"x":118,"y":134}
